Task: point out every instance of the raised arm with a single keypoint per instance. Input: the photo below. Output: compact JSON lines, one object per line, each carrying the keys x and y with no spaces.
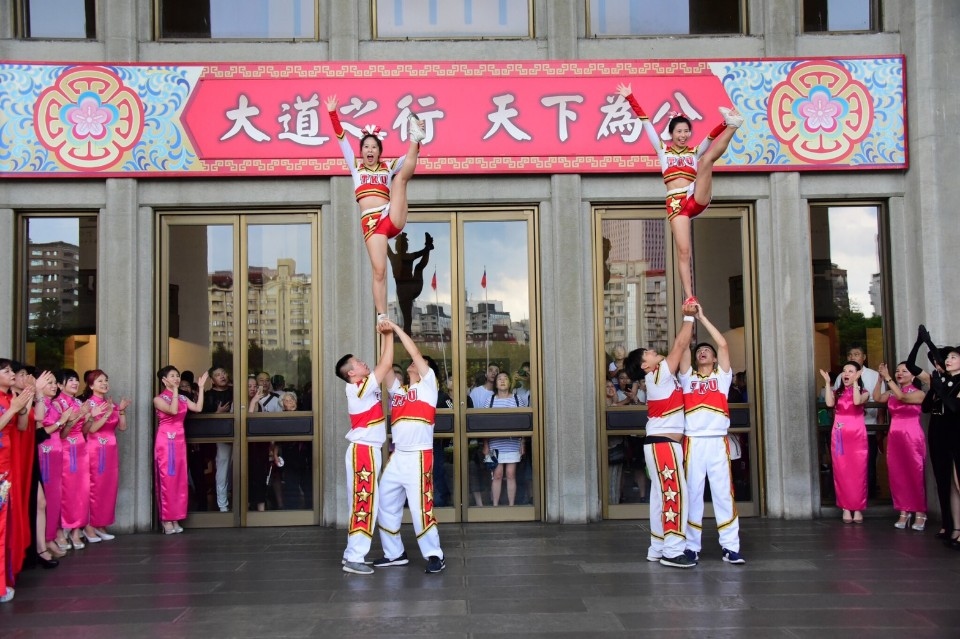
{"x":626,"y":92}
{"x":828,"y":397}
{"x":384,"y":367}
{"x":422,"y":367}
{"x":345,"y":149}
{"x":879,"y":395}
{"x":681,"y":344}
{"x":723,"y":349}
{"x":859,"y":396}
{"x":686,"y":360}
{"x":197,"y":406}
{"x":169,"y":408}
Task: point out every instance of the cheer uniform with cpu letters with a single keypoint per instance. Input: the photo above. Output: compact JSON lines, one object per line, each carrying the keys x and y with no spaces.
{"x":664,"y":458}
{"x":707,"y":455}
{"x":408,"y":475}
{"x":367,"y":434}
{"x":677,"y":162}
{"x":367,"y":182}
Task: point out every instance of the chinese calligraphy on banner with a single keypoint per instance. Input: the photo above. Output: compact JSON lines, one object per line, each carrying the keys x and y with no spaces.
{"x":480,"y":117}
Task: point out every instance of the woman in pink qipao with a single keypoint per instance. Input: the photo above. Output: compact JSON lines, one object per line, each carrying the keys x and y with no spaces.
{"x":102,"y":451}
{"x":170,"y":449}
{"x":848,"y":442}
{"x":53,"y":423}
{"x":906,"y":445}
{"x":75,"y":486}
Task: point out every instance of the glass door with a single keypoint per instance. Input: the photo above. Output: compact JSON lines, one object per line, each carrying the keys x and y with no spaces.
{"x":463,"y":285}
{"x":251,"y":451}
{"x":639,"y":308}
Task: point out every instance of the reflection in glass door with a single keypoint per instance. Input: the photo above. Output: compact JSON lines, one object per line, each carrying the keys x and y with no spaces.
{"x":639,"y":308}
{"x":251,"y":451}
{"x":462,"y":285}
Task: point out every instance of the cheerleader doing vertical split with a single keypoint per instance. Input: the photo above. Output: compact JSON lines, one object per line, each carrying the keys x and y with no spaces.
{"x":688,"y":175}
{"x":381,"y":191}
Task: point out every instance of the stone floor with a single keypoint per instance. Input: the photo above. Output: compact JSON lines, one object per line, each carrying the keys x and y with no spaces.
{"x":803,"y":579}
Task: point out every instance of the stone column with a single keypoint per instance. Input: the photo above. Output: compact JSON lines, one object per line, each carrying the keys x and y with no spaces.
{"x":125,"y":339}
{"x":788,"y":381}
{"x":570,"y":384}
{"x":930,"y":37}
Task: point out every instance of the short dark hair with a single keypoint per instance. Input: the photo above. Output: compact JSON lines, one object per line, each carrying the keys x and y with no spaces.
{"x":375,"y":139}
{"x":63,"y":375}
{"x":678,"y":120}
{"x":432,"y":363}
{"x":857,"y":366}
{"x":708,"y":345}
{"x":163,"y":372}
{"x":340,"y":368}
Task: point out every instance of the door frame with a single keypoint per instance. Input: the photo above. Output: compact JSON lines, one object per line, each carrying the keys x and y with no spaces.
{"x":240,"y":220}
{"x":745,"y":213}
{"x":457,"y":217}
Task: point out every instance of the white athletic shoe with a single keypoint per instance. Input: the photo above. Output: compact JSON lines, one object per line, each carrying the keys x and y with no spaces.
{"x":731,"y":117}
{"x":415,"y":127}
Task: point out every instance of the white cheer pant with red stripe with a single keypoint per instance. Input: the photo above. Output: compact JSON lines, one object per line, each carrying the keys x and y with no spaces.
{"x":408,"y":476}
{"x":668,"y":499}
{"x":709,"y":458}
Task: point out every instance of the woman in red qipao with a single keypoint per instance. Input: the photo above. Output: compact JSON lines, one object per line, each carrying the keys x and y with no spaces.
{"x":11,"y":407}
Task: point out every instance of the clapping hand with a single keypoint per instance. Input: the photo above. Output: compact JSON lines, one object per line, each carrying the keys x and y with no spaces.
{"x":22,"y":400}
{"x":45,"y":381}
{"x":100,"y":410}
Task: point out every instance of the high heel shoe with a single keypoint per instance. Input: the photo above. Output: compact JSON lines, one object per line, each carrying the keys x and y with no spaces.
{"x":91,"y":539}
{"x":954,"y":541}
{"x":77,"y":544}
{"x":104,"y":535}
{"x":903,"y":522}
{"x":57,"y":550}
{"x":919,"y":522}
{"x":47,"y":563}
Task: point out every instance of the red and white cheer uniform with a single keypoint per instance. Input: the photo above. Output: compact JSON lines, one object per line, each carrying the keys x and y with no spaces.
{"x":367,"y":434}
{"x":664,"y":459}
{"x":408,"y":475}
{"x":677,"y":162}
{"x":367,"y":182}
{"x":707,"y":455}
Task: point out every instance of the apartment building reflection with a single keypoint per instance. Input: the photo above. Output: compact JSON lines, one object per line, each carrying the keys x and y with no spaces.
{"x":279,"y":309}
{"x":635,"y":295}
